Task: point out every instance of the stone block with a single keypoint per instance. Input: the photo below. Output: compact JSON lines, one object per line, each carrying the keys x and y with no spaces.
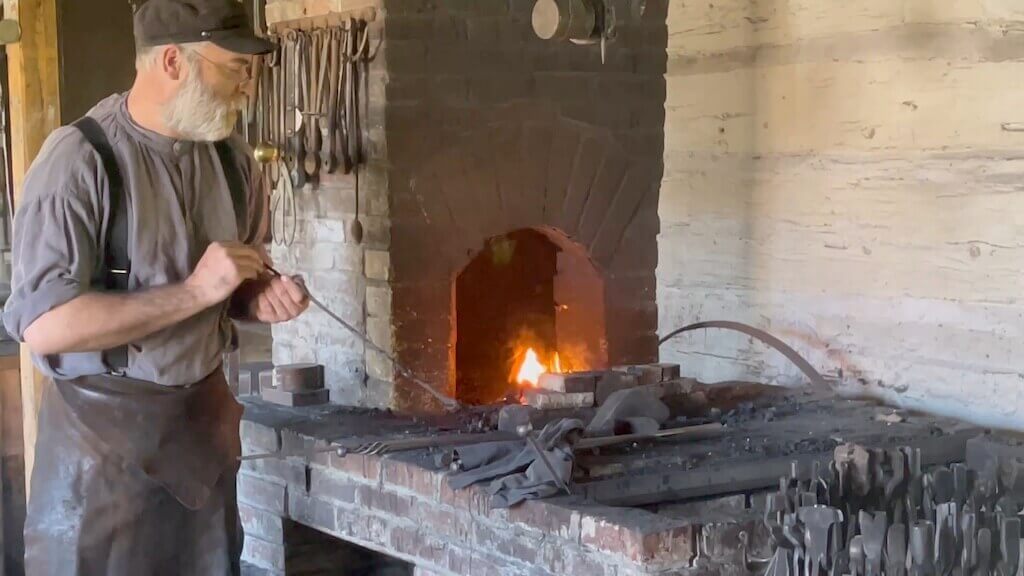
{"x":668,"y":541}
{"x":547,"y":518}
{"x":669,"y":372}
{"x":378,"y":301}
{"x":299,"y":377}
{"x":266,"y":380}
{"x":262,"y":494}
{"x":291,"y":471}
{"x":570,"y":383}
{"x":358,"y":465}
{"x":333,"y":486}
{"x":611,"y":382}
{"x":263,"y":554}
{"x":412,"y":477}
{"x":384,"y":500}
{"x":519,"y":544}
{"x":380,"y":333}
{"x":378,"y":265}
{"x":261,"y":524}
{"x":724,"y":539}
{"x":312,"y":512}
{"x":296,"y":399}
{"x":380,"y":394}
{"x":249,"y":377}
{"x":444,"y":522}
{"x":378,"y":367}
{"x":416,"y":542}
{"x":259,"y":438}
{"x":651,"y":373}
{"x":548,"y":400}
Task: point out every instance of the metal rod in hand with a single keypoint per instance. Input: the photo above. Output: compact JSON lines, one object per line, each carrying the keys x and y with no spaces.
{"x":449,"y":403}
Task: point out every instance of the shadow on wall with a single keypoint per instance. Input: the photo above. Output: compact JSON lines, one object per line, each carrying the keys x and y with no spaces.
{"x":97,"y":31}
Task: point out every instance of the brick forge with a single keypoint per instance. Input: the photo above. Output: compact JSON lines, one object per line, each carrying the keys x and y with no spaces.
{"x":486,"y":143}
{"x":530,"y":179}
{"x":488,"y":150}
{"x":688,"y":507}
{"x":401,"y":508}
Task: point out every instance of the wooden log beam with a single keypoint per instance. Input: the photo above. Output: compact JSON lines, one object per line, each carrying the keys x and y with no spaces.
{"x":34,"y":78}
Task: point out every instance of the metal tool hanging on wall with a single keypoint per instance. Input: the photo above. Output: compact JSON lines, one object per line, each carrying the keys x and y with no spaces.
{"x":583,"y":22}
{"x":311,"y":95}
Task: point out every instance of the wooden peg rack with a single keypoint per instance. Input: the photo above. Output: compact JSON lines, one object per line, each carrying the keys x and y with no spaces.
{"x":312,"y":14}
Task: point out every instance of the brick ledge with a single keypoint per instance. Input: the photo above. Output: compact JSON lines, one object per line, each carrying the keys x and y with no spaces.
{"x":334,"y":491}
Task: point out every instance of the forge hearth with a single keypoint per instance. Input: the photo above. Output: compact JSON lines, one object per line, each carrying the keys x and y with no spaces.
{"x":682,"y":507}
{"x":525,"y":291}
{"x":510,"y":197}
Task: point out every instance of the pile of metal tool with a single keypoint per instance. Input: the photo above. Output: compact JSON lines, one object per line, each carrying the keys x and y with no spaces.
{"x":875,"y":512}
{"x":308,"y":113}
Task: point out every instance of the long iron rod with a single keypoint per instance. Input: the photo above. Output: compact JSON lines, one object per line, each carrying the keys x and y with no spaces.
{"x":448,"y":402}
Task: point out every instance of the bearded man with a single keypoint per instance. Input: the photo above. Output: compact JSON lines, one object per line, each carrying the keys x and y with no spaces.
{"x":137,"y":239}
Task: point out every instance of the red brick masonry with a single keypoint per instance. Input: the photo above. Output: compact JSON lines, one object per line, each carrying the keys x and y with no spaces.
{"x":396,"y":506}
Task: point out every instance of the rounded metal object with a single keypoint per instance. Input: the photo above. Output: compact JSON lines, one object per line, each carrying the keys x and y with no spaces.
{"x":356,"y":230}
{"x":312,"y":164}
{"x":523,"y":430}
{"x":564,"y":19}
{"x":266,"y":153}
{"x":549,"y":20}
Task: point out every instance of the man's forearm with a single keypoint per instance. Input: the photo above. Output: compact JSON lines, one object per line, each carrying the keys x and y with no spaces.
{"x":98,"y":321}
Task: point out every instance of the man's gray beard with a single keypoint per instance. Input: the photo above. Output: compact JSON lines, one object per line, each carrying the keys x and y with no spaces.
{"x":197,"y":114}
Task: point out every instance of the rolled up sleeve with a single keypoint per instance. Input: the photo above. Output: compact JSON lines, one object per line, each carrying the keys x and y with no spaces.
{"x":54,"y":252}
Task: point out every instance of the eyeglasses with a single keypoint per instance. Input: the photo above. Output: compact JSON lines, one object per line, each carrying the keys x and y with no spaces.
{"x":243,"y":74}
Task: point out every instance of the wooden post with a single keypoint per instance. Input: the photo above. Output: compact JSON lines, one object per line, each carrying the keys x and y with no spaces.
{"x":34,"y":78}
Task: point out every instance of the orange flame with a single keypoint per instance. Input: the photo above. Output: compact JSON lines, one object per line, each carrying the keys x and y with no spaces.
{"x":531,"y":368}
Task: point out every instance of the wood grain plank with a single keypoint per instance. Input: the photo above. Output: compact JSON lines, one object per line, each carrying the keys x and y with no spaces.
{"x":34,"y":77}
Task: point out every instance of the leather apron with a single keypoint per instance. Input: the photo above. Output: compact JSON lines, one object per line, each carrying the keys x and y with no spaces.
{"x":134,"y":478}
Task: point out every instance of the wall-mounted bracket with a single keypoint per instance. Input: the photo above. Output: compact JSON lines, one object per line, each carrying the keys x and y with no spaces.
{"x":582,"y":22}
{"x":10,"y":31}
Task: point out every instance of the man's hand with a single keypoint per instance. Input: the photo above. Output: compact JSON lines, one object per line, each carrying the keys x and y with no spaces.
{"x":279,"y":299}
{"x":222,"y":269}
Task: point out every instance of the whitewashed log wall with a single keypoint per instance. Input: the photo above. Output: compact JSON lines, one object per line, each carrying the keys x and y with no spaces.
{"x":850,"y":176}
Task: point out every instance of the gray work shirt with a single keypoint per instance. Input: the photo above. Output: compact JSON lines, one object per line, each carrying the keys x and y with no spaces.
{"x":179,"y":203}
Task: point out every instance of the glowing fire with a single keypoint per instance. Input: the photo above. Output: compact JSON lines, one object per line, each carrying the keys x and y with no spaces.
{"x":531,"y":368}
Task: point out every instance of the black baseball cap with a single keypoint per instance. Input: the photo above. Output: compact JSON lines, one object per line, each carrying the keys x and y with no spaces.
{"x":222,"y":22}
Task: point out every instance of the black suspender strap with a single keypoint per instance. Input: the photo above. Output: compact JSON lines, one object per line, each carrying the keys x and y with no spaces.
{"x":236,"y":184}
{"x":117,"y":264}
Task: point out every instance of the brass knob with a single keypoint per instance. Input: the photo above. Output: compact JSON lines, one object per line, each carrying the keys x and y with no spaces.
{"x":266,"y":153}
{"x":564,"y":19}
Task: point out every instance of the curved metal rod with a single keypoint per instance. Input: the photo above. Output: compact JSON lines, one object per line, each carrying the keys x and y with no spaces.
{"x":816,"y":379}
